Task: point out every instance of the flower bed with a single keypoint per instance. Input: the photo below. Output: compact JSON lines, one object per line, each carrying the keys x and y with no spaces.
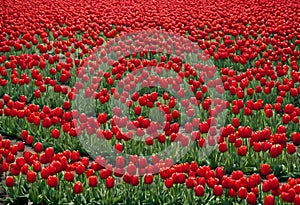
{"x":150,"y":102}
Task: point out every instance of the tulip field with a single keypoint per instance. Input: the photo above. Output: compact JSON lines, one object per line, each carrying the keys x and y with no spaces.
{"x":150,"y":102}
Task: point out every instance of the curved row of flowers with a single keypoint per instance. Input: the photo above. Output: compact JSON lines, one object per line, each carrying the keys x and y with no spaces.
{"x":66,"y":99}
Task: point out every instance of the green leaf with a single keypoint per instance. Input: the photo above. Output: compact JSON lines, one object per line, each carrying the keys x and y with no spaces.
{"x":117,"y":199}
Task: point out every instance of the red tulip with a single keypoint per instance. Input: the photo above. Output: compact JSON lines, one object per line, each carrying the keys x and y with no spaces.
{"x":296,"y":138}
{"x":24,"y":134}
{"x":105,"y":173}
{"x":45,"y":173}
{"x":235,"y":122}
{"x":231,"y":192}
{"x":218,"y":190}
{"x":251,"y":198}
{"x":49,"y":152}
{"x":274,"y":183}
{"x":20,"y":161}
{"x":77,"y":188}
{"x":21,"y":146}
{"x":69,"y":176}
{"x":190,"y":182}
{"x":169,"y":182}
{"x":37,"y":167}
{"x":269,"y":200}
{"x":52,"y":181}
{"x":80,"y":168}
{"x":55,"y":133}
{"x":290,"y":149}
{"x":275,"y":150}
{"x":220,"y":172}
{"x":29,"y":140}
{"x":265,"y":169}
{"x":92,"y":181}
{"x":120,"y":162}
{"x":9,"y":181}
{"x":135,"y":180}
{"x":242,"y":151}
{"x":222,"y":147}
{"x":31,"y":177}
{"x":102,"y":118}
{"x":204,"y":127}
{"x":199,"y":190}
{"x":148,"y":179}
{"x":74,"y":156}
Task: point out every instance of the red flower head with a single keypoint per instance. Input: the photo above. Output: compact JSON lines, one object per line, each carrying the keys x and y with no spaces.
{"x":77,"y":188}
{"x":199,"y":190}
{"x":218,"y":190}
{"x":148,"y":179}
{"x":9,"y":181}
{"x":265,"y":169}
{"x":52,"y":181}
{"x":93,"y":181}
{"x":110,"y":183}
{"x":31,"y":176}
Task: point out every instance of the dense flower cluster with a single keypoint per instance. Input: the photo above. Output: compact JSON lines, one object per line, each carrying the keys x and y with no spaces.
{"x":65,"y":93}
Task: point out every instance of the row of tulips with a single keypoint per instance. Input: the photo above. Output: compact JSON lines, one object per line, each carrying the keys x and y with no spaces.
{"x":48,"y":177}
{"x":231,"y":137}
